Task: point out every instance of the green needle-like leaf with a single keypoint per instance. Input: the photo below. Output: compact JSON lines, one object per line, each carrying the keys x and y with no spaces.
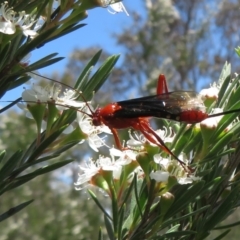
{"x":221,"y":236}
{"x":93,"y":196}
{"x":109,"y":228}
{"x":10,"y":165}
{"x":14,"y":210}
{"x":45,"y":144}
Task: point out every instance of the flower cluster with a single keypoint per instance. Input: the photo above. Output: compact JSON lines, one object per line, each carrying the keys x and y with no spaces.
{"x":114,"y":163}
{"x":119,"y":161}
{"x":52,"y":93}
{"x":11,"y":20}
{"x":169,"y":168}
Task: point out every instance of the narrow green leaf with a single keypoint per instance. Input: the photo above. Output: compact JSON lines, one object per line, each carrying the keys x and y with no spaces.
{"x":120,"y":221}
{"x":10,"y":105}
{"x":3,"y":88}
{"x":109,"y":228}
{"x":185,"y":198}
{"x":30,"y":46}
{"x":83,"y":82}
{"x":178,"y":234}
{"x":66,"y":31}
{"x":136,"y":196}
{"x":218,"y":146}
{"x":16,"y":43}
{"x":226,"y":120}
{"x":41,"y":8}
{"x":221,"y":236}
{"x":14,"y":210}
{"x":14,"y":184}
{"x":29,"y":164}
{"x":214,"y":158}
{"x":2,"y":155}
{"x":233,"y":97}
{"x":83,"y":78}
{"x":193,"y":142}
{"x":228,"y":226}
{"x":26,"y":178}
{"x":45,"y":169}
{"x":44,"y":59}
{"x":100,"y":235}
{"x":93,"y":196}
{"x":179,"y":133}
{"x":10,"y":165}
{"x":65,"y":147}
{"x":225,"y":78}
{"x":18,"y":82}
{"x":173,"y":228}
{"x":178,"y":219}
{"x":36,"y":66}
{"x":126,"y":197}
{"x":181,"y":139}
{"x":101,"y":75}
{"x":76,"y":16}
{"x":28,"y":152}
{"x":211,"y":185}
{"x":220,"y":213}
{"x":45,"y":144}
{"x":4,"y":53}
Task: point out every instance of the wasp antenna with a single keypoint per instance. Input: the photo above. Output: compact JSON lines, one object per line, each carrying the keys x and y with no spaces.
{"x":56,"y":81}
{"x":85,"y":100}
{"x":38,"y":102}
{"x":66,"y":85}
{"x":224,"y":113}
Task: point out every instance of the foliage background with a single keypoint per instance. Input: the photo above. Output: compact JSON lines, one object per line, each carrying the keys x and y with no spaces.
{"x":187,"y":40}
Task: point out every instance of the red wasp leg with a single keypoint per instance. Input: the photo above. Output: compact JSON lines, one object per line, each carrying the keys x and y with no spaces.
{"x":162,"y":85}
{"x":116,"y":138}
{"x":150,"y":134}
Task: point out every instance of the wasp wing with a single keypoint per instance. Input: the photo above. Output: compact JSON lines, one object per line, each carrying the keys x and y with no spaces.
{"x":168,"y":105}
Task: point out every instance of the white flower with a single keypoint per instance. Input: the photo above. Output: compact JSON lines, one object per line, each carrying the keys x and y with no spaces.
{"x":51,"y":94}
{"x":210,"y":93}
{"x":9,"y":20}
{"x":188,"y":179}
{"x":88,"y":172}
{"x":124,"y":157}
{"x":212,"y":122}
{"x":160,"y":176}
{"x":167,"y":134}
{"x":114,"y":163}
{"x":6,"y":24}
{"x":177,"y":171}
{"x":68,"y":100}
{"x":136,"y":140}
{"x":117,"y":8}
{"x":95,"y":141}
{"x":94,"y":167}
{"x":40,"y":94}
{"x":164,"y":162}
{"x":26,"y":23}
{"x":85,"y":123}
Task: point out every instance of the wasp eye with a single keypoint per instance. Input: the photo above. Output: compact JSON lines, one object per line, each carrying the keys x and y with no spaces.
{"x":96,"y":122}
